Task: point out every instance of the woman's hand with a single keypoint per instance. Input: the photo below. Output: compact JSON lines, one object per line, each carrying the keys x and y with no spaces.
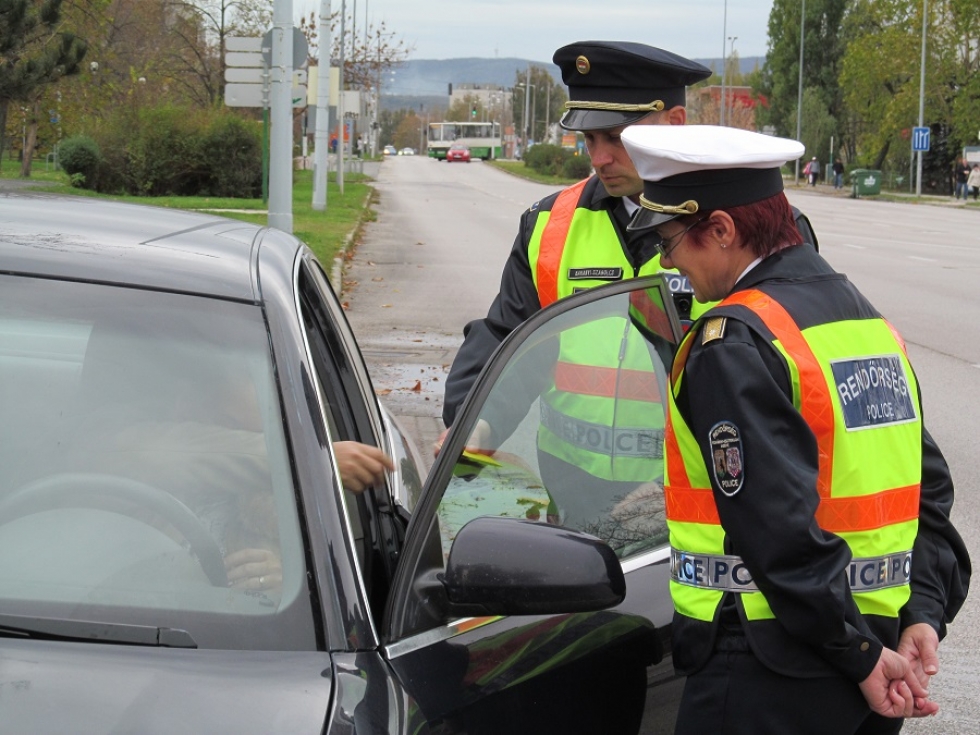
{"x":254,"y":569}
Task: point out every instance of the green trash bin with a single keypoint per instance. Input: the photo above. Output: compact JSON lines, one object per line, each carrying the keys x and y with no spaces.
{"x":865,"y":182}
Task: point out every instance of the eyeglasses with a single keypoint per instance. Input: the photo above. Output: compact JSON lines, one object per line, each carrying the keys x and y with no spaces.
{"x":662,"y":245}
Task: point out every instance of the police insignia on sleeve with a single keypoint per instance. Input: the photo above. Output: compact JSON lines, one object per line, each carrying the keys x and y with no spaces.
{"x":727,"y":457}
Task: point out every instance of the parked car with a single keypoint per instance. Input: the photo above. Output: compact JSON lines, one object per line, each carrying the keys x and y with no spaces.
{"x":390,"y":150}
{"x":458,"y":152}
{"x":172,"y":386}
{"x":406,"y":152}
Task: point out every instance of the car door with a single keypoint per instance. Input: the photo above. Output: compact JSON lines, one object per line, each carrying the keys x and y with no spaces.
{"x":475,"y":669}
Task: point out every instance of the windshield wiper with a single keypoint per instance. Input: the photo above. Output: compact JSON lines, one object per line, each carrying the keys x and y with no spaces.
{"x":56,"y":629}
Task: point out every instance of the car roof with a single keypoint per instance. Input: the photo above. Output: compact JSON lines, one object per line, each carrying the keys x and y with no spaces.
{"x":115,"y":242}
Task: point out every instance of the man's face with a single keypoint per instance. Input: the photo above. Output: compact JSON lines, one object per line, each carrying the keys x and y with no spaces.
{"x":610,"y":161}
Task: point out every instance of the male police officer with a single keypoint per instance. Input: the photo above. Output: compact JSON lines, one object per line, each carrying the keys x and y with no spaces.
{"x":595,"y":446}
{"x":577,"y":239}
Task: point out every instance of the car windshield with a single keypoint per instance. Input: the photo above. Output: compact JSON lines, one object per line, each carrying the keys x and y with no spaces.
{"x":142,"y":459}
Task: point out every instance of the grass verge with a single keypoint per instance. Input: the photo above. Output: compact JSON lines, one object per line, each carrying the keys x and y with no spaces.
{"x":517,"y":168}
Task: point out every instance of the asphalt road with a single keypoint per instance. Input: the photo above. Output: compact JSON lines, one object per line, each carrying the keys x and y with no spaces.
{"x":432,"y":261}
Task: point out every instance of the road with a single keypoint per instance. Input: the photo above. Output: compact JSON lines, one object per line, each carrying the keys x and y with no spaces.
{"x":432,"y":260}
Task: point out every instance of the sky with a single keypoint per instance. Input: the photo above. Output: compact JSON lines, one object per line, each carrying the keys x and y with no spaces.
{"x":533,"y":29}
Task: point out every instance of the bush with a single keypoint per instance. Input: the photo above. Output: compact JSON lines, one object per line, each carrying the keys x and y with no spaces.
{"x":577,"y":167}
{"x":80,"y":157}
{"x":176,"y":151}
{"x":545,"y":158}
{"x":232,"y":157}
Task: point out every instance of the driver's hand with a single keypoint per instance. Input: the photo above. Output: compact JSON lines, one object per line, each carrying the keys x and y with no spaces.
{"x":361,"y":465}
{"x":254,"y":569}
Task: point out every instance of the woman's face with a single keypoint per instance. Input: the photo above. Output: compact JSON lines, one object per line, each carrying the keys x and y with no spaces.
{"x":712,"y":267}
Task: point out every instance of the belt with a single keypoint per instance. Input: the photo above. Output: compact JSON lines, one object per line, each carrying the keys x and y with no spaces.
{"x":728,"y":573}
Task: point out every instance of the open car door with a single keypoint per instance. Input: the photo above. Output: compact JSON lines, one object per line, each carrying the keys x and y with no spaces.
{"x":532,"y":595}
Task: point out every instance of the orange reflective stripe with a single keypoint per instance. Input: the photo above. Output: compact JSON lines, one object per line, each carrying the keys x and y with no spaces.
{"x":836,"y":515}
{"x":898,"y":338}
{"x":687,"y":505}
{"x":815,"y":403}
{"x":868,"y":512}
{"x":606,"y":382}
{"x":553,"y":242}
{"x":653,"y":314}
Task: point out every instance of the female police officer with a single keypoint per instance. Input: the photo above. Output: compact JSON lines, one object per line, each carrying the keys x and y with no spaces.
{"x":807,"y":506}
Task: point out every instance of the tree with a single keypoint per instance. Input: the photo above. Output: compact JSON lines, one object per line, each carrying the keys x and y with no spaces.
{"x":823,"y":45}
{"x":202,"y":27}
{"x":409,"y":131}
{"x":545,"y":105}
{"x":35,"y":51}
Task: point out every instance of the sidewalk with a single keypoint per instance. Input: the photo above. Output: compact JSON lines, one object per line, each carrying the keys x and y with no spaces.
{"x":937,"y":200}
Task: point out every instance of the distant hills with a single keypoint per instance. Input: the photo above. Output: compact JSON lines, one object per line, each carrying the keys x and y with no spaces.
{"x":426,"y":81}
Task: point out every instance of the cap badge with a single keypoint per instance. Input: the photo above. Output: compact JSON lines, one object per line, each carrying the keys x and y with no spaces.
{"x":688,"y":207}
{"x":582,"y":65}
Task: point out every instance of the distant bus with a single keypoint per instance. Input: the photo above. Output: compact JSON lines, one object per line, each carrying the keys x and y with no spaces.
{"x":482,"y":138}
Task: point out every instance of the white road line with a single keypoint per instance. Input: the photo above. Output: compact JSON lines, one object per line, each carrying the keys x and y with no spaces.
{"x":855,"y":247}
{"x":919,"y":257}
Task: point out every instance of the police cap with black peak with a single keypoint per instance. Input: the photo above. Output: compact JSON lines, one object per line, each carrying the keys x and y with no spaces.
{"x":614,"y":83}
{"x":697,"y":168}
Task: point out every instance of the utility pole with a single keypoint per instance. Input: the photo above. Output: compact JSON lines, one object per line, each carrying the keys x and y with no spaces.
{"x":281,"y":170}
{"x":321,"y":138}
{"x":799,"y":98}
{"x":922,"y":101}
{"x":724,"y":31}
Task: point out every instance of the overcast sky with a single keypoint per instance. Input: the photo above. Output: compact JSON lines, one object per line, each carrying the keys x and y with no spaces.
{"x":533,"y":29}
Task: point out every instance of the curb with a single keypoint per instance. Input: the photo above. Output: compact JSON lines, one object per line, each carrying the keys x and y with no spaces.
{"x":339,"y":260}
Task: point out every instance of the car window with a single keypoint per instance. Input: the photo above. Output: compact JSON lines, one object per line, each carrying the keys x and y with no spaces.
{"x":571,"y":431}
{"x":141,"y":450}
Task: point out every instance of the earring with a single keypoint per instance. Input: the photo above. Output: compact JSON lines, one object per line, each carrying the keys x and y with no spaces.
{"x":724,"y":245}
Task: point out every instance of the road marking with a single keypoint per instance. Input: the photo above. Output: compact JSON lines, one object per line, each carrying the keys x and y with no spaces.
{"x":918,"y":257}
{"x":854,"y":247}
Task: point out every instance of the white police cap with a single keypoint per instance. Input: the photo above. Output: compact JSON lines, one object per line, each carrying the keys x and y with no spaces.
{"x":691,"y":168}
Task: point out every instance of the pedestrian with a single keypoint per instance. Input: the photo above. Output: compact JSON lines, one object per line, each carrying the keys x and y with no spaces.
{"x":961,"y":172}
{"x":838,"y":174}
{"x":813,"y":573}
{"x":812,"y":171}
{"x":973,"y":180}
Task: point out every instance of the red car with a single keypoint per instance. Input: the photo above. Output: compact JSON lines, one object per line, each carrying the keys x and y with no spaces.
{"x":458,"y":152}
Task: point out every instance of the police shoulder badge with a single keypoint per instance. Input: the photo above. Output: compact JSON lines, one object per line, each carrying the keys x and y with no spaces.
{"x":726,"y":457}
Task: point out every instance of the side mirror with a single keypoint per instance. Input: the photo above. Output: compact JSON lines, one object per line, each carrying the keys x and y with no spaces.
{"x":510,"y":566}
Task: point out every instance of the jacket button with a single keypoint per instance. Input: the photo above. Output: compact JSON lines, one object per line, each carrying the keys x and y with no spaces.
{"x":865,"y":646}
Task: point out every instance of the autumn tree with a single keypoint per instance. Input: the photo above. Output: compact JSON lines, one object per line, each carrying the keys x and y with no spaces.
{"x":544,"y":107}
{"x":35,"y":52}
{"x":823,"y":48}
{"x":201,"y":28}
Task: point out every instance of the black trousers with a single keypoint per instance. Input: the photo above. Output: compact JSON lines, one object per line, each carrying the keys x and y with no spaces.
{"x":734,"y":694}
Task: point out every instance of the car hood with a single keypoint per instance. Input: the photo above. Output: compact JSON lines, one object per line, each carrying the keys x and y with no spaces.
{"x":49,"y":687}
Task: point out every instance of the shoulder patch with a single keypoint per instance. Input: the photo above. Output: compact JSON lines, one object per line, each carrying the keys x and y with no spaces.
{"x":713,"y":329}
{"x":725,"y":441}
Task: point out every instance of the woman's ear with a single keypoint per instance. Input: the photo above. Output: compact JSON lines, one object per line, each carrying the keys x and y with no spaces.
{"x":721,"y":229}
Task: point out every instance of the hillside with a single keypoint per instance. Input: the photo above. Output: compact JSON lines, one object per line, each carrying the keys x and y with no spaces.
{"x":418,"y":80}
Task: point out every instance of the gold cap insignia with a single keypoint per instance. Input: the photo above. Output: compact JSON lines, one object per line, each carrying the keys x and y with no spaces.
{"x":582,"y":65}
{"x":713,"y":329}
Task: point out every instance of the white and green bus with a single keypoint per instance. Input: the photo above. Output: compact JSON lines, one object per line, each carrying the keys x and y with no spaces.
{"x":482,"y":138}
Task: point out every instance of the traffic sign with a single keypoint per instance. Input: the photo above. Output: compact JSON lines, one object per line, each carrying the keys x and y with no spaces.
{"x":246,"y":95}
{"x":920,"y":139}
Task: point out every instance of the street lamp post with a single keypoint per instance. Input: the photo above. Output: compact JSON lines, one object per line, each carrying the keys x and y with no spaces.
{"x":527,"y":109}
{"x":922,"y":101}
{"x":721,"y":99}
{"x":728,"y":92}
{"x":799,"y":98}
